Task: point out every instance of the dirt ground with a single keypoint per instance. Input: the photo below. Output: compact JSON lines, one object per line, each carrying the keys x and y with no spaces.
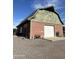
{"x":38,"y":49}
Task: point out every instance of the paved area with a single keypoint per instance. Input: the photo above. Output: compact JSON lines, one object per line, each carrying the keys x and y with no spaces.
{"x":38,"y":49}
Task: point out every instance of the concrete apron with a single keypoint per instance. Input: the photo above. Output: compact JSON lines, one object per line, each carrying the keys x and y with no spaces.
{"x":56,"y":38}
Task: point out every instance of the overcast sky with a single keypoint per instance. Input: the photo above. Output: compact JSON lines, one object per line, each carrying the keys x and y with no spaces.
{"x":23,"y":8}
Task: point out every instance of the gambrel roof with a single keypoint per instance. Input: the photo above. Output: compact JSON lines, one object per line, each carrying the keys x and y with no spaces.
{"x":47,"y":15}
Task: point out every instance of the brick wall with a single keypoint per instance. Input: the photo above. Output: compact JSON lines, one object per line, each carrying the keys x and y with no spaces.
{"x":58,"y":30}
{"x":37,"y":29}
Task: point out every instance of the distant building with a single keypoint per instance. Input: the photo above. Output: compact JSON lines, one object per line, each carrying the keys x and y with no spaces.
{"x":43,"y":23}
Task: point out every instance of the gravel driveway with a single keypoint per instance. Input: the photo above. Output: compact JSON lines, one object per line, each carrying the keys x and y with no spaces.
{"x":38,"y":49}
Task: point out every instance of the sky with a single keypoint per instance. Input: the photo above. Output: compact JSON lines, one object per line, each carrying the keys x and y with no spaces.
{"x":23,"y":8}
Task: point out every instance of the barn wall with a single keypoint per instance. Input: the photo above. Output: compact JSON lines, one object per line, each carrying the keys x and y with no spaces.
{"x":26,"y":28}
{"x":37,"y":30}
{"x":18,"y":31}
{"x":58,"y":30}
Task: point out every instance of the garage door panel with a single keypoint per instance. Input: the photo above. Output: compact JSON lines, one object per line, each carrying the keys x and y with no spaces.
{"x":48,"y":31}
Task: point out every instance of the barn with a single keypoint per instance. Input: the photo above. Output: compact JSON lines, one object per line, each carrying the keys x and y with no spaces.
{"x":42,"y":23}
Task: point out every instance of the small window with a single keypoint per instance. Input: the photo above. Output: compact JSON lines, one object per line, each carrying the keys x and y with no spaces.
{"x":21,"y":30}
{"x":57,"y":33}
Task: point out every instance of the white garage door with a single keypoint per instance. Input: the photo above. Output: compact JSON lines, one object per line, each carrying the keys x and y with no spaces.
{"x":48,"y":31}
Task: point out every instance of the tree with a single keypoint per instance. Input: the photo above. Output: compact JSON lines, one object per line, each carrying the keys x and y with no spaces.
{"x":14,"y":31}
